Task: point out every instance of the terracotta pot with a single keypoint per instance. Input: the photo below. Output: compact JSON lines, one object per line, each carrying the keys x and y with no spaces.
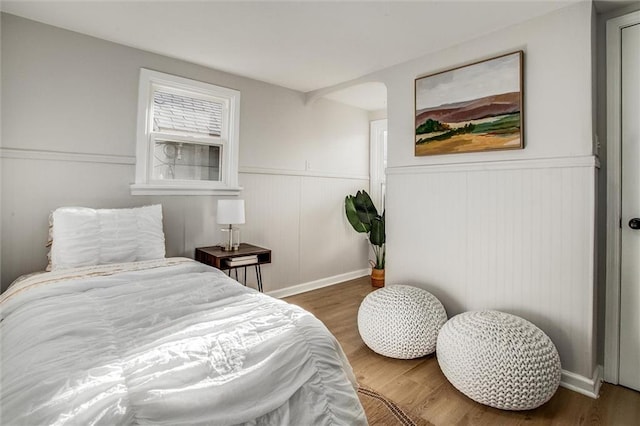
{"x":377,"y":277}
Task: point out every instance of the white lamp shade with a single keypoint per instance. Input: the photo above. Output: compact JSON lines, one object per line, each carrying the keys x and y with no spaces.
{"x":230,"y":212}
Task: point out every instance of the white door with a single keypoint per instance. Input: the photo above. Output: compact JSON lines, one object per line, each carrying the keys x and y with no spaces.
{"x":630,"y":245}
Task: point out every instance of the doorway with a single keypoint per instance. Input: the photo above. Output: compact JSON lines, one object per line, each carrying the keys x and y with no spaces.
{"x":370,"y":96}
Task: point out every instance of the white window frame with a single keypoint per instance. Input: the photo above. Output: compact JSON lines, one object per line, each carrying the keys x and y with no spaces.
{"x":228,"y":141}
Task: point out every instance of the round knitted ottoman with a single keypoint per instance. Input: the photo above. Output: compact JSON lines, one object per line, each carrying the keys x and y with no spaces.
{"x":401,"y":321}
{"x":498,"y":359}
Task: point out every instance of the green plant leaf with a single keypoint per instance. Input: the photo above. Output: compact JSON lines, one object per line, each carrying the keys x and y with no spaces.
{"x":377,"y":234}
{"x":365,"y":207}
{"x":352,"y":215}
{"x":363,"y":217}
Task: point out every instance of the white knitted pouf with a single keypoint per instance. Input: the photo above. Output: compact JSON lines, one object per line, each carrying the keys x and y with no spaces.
{"x":401,"y":321}
{"x":498,"y":359}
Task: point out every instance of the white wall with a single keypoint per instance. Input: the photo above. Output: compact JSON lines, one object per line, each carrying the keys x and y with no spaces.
{"x":69,"y":117}
{"x":509,"y":230}
{"x":557,"y":74}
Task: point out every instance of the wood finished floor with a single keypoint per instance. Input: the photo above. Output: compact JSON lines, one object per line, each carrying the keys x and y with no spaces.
{"x":419,"y":385}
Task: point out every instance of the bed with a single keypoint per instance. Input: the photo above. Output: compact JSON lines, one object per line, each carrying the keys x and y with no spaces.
{"x":167,"y":342}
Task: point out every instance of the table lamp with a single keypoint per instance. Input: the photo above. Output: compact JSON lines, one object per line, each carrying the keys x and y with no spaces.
{"x":231,"y":212}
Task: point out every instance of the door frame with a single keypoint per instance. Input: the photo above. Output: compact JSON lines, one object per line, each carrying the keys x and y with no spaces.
{"x":376,"y":154}
{"x":614,"y":195}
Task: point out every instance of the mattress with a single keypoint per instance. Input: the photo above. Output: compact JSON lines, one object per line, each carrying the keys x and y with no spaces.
{"x":165,"y":342}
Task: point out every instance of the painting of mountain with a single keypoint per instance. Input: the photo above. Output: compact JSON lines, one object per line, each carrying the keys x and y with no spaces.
{"x":472,"y":108}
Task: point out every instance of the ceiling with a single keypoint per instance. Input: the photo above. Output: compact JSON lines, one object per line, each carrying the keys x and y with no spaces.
{"x":605,"y":6}
{"x":301,"y":45}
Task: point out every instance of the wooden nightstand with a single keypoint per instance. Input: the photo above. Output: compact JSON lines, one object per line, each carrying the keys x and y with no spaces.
{"x":228,"y":260}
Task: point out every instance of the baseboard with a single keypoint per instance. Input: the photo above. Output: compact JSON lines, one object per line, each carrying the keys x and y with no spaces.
{"x":313,"y":285}
{"x":584,"y":385}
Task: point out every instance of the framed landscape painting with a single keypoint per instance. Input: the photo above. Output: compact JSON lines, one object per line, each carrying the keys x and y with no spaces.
{"x":473,"y":108}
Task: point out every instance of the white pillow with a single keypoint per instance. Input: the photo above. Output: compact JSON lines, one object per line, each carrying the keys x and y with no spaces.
{"x":83,"y":236}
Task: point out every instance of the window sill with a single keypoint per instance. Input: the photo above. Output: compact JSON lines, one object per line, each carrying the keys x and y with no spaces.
{"x":147,"y":189}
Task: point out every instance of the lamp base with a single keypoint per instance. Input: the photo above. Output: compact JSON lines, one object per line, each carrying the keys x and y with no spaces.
{"x":233,"y":242}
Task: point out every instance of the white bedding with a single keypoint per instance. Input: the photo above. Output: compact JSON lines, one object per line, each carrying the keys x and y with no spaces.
{"x":168,"y":342}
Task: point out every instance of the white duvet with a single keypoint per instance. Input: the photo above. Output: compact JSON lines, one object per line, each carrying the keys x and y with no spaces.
{"x":169,"y":342}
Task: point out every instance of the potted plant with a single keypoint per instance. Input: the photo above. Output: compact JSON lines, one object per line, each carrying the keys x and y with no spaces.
{"x":364,"y":217}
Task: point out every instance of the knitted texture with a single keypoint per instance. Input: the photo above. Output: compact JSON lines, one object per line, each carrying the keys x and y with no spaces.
{"x":401,"y":321}
{"x":498,"y":359}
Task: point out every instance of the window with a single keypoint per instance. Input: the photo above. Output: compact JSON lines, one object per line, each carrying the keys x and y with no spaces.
{"x":187,"y":142}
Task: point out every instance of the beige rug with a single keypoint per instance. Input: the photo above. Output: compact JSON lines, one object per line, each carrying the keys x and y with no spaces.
{"x":384,"y":412}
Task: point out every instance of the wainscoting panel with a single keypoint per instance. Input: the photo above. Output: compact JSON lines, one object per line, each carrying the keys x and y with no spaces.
{"x":327,"y":241}
{"x":520,"y":240}
{"x":33,"y":185}
{"x":426,"y":234}
{"x":272,"y":206}
{"x":301,"y":219}
{"x":33,"y":188}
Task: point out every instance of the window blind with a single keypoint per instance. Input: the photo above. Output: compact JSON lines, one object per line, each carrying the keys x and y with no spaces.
{"x":173,"y":112}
